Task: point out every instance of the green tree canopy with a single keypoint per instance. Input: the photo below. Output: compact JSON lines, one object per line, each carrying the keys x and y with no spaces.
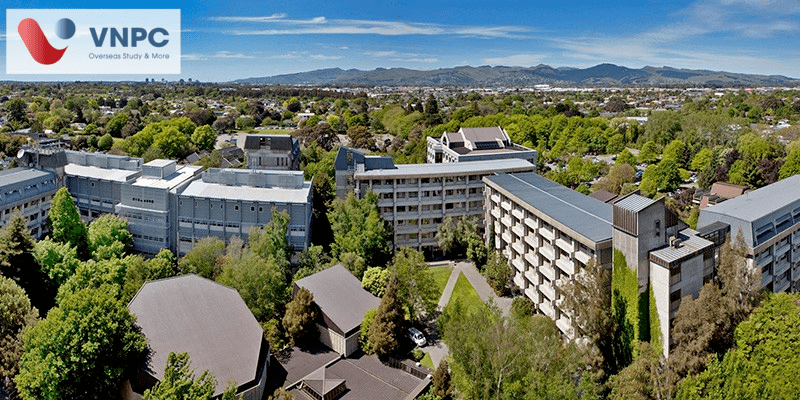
{"x":619,"y":175}
{"x":179,"y":382}
{"x":415,"y":287}
{"x":626,"y":157}
{"x":137,"y":273}
{"x":387,"y":326}
{"x":109,"y":237}
{"x":375,"y":280}
{"x":204,"y":138}
{"x":792,"y":164}
{"x":204,"y":258}
{"x":18,"y":263}
{"x":81,"y":350}
{"x":664,"y":176}
{"x":58,"y":260}
{"x":16,"y":314}
{"x":301,"y":317}
{"x":703,"y":159}
{"x":764,"y":362}
{"x":358,"y":228}
{"x":649,"y":153}
{"x":260,"y":281}
{"x":65,"y":222}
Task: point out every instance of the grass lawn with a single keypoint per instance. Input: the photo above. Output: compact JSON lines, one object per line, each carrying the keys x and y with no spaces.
{"x":440,"y":276}
{"x":466,"y":294}
{"x":426,"y":361}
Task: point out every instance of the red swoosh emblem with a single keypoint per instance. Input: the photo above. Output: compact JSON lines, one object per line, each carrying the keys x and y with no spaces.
{"x":37,"y":43}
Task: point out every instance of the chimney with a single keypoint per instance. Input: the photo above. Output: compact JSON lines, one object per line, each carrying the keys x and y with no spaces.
{"x":674,"y":242}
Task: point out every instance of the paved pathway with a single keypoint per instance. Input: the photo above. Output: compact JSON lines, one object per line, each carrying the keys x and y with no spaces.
{"x":439,"y":350}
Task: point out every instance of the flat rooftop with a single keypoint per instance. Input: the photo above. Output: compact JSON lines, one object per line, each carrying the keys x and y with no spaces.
{"x":199,"y":188}
{"x":585,"y":215}
{"x":106,"y":174}
{"x":23,"y":175}
{"x":689,"y":246}
{"x":445,"y":169}
{"x":171,"y":181}
{"x":759,"y":203}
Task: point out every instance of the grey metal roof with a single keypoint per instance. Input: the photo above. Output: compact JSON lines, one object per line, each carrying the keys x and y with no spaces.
{"x":21,"y":183}
{"x":106,"y":174}
{"x":203,"y":318}
{"x":634,"y":202}
{"x":490,"y":134}
{"x":340,"y":296}
{"x":585,"y":215}
{"x":444,"y":169}
{"x":759,"y":203}
{"x":689,"y":246}
{"x":199,"y":188}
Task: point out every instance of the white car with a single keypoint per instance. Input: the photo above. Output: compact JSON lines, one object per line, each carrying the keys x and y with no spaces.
{"x":417,"y":337}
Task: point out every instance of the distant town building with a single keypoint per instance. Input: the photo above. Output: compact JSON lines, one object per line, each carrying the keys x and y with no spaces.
{"x":278,"y":152}
{"x":476,"y":144}
{"x":719,"y":192}
{"x":228,"y":202}
{"x":416,"y":198}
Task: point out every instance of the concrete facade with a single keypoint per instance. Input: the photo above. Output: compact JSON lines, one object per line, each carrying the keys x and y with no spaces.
{"x":228,"y":202}
{"x":28,"y":191}
{"x":416,"y":198}
{"x":769,"y":221}
{"x":150,"y":204}
{"x":540,"y":227}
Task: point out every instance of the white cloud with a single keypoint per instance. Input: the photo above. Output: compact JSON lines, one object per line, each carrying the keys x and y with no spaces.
{"x":516,"y":60}
{"x":219,"y":54}
{"x":305,"y":55}
{"x":322,"y":25}
{"x":2,"y":36}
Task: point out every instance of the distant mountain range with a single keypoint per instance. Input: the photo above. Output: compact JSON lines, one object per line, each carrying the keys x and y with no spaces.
{"x":599,"y":75}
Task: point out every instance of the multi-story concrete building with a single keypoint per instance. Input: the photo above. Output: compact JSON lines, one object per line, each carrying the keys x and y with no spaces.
{"x":548,"y":233}
{"x":416,"y":198}
{"x":665,"y":259}
{"x":95,"y":181}
{"x":476,"y":144}
{"x":769,"y":221}
{"x":28,"y":191}
{"x":149,"y":203}
{"x":228,"y":202}
{"x":279,"y":152}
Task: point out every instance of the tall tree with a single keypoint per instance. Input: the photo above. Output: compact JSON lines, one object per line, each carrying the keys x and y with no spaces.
{"x":619,"y":175}
{"x":358,"y":228}
{"x":261,"y":282}
{"x":204,"y":138}
{"x":204,"y":258}
{"x":18,"y":263}
{"x":387,"y":326}
{"x":498,"y":273}
{"x":301,"y":317}
{"x":58,"y":260}
{"x":65,"y":222}
{"x":764,"y":362}
{"x":109,"y":237}
{"x":81,"y":350}
{"x":415,"y":286}
{"x":442,"y":386}
{"x":179,"y":382}
{"x":16,"y":314}
{"x":272,"y":241}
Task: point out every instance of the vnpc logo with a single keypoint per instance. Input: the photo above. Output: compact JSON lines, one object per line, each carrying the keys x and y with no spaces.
{"x":106,"y":42}
{"x":37,"y":43}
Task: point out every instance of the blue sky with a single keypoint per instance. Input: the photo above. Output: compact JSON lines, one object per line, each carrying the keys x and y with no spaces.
{"x":222,"y":41}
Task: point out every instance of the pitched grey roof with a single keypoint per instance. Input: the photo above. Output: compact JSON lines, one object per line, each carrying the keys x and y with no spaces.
{"x":203,"y":318}
{"x":490,"y":134}
{"x":585,"y":215}
{"x":340,"y":296}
